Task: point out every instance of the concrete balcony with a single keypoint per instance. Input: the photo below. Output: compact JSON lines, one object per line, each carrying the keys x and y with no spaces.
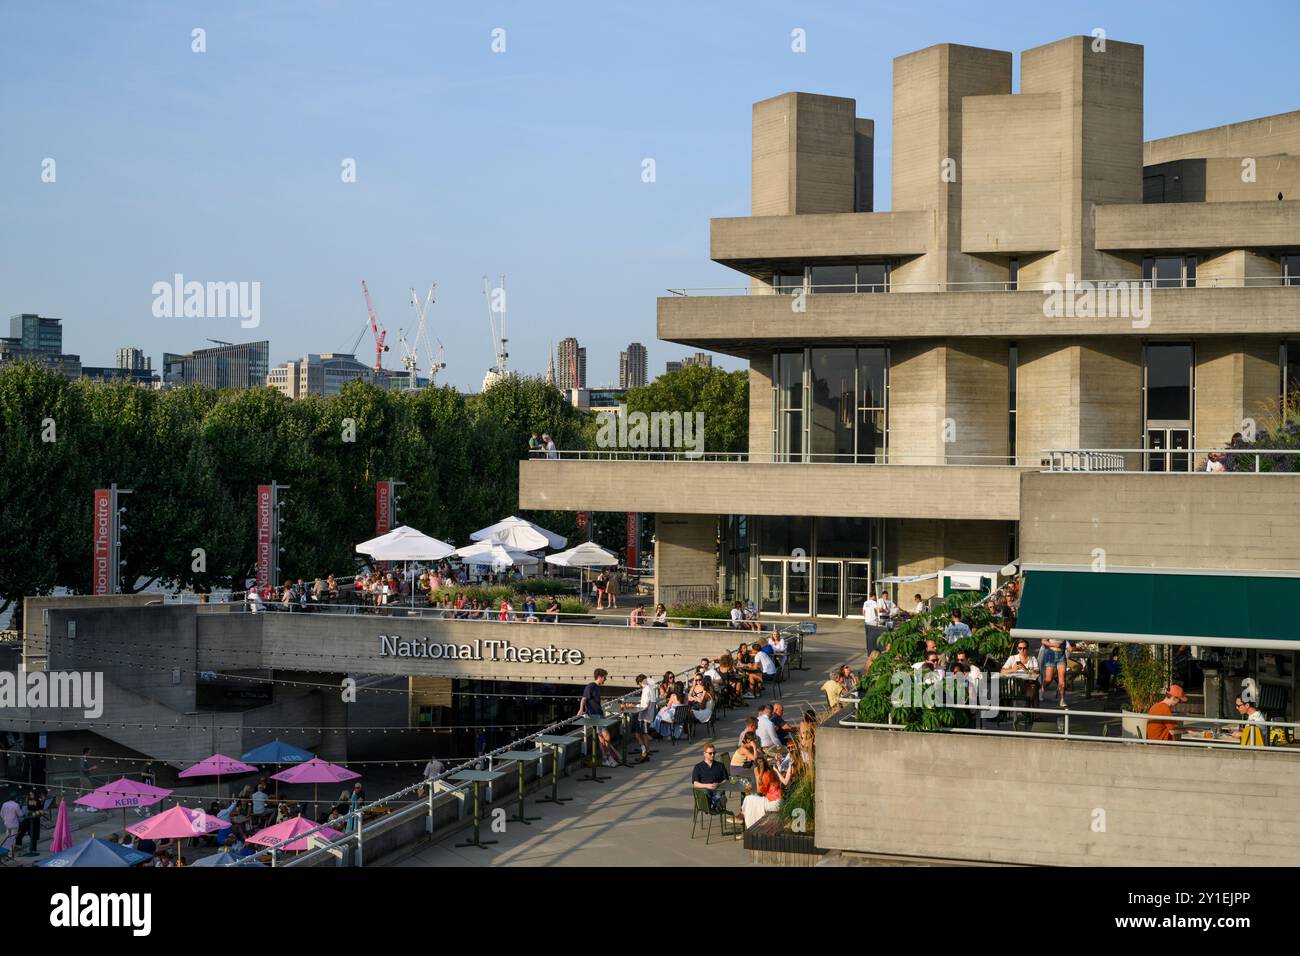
{"x":1203,"y":225}
{"x":747,"y":325}
{"x":977,"y":492}
{"x":745,"y":242}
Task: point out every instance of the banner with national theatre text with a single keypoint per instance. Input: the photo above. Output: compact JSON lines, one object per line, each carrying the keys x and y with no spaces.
{"x":264,"y":518}
{"x":102,"y":540}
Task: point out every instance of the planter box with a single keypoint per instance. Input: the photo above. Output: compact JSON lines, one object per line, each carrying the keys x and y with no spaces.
{"x":770,"y":844}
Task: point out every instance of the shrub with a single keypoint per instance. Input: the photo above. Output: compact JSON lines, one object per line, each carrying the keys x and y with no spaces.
{"x":709,"y":612}
{"x":801,"y":796}
{"x":1144,"y":676}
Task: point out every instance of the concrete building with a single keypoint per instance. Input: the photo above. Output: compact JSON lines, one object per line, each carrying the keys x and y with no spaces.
{"x":134,"y":359}
{"x":37,"y":332}
{"x":632,"y":366}
{"x":672,"y":367}
{"x":321,"y":374}
{"x":908,"y":368}
{"x":224,"y":366}
{"x":572,"y":361}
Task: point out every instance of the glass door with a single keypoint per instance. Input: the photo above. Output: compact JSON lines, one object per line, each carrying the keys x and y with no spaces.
{"x":798,"y":590}
{"x":1169,"y":441}
{"x":771,"y":586}
{"x":857,"y":579}
{"x":828,"y":588}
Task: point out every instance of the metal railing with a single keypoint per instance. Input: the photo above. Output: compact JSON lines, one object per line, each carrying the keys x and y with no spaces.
{"x":355,"y":822}
{"x":995,"y":285}
{"x":1060,"y":718}
{"x":1171,"y":460}
{"x":779,"y":458}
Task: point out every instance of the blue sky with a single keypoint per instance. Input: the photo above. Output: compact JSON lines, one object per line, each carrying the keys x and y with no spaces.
{"x":225,"y":165}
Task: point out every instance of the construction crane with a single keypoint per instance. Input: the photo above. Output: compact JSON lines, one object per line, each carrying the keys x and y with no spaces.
{"x":411,"y":351}
{"x":376,"y":329}
{"x":497,"y":323}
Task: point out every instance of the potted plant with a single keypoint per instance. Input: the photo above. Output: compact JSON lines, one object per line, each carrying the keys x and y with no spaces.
{"x":1143,"y":672}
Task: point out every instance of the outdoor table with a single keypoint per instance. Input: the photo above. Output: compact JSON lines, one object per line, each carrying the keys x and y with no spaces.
{"x":557,"y":743}
{"x":478,"y":778}
{"x":595,"y":725}
{"x":521,"y":757}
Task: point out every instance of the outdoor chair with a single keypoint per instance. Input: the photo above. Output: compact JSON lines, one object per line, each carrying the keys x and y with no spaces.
{"x":704,"y":814}
{"x":681,"y":714}
{"x":709,"y":724}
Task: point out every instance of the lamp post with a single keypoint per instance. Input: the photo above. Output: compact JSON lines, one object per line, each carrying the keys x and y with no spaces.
{"x":116,"y":528}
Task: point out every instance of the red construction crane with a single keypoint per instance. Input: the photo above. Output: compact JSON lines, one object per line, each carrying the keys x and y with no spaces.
{"x":376,"y":328}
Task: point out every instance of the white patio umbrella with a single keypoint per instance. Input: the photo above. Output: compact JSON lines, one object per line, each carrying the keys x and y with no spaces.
{"x":586,"y":555}
{"x":521,"y":538}
{"x":405,"y":544}
{"x":553,"y":540}
{"x":493,"y":554}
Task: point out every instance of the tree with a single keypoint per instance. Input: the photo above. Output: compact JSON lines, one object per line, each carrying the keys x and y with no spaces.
{"x":722,"y":397}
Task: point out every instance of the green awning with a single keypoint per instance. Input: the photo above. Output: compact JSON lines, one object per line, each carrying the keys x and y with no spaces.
{"x":1155,"y":607}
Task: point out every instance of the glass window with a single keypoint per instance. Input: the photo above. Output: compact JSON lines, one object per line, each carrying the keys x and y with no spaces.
{"x":1013,"y":363}
{"x":1291,"y":269}
{"x":873,"y":370}
{"x":788,"y":282}
{"x":1291,"y":370}
{"x":789,"y":381}
{"x":844,"y":537}
{"x":1013,"y":275}
{"x":833,"y":278}
{"x":1166,"y":272}
{"x":873,"y":278}
{"x":831,"y":422}
{"x":1189,"y":270}
{"x":1169,"y":382}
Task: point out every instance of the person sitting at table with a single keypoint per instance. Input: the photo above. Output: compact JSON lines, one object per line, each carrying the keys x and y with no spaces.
{"x":553,"y":610}
{"x":1254,"y":732}
{"x":1166,"y":729}
{"x":1109,"y":676}
{"x":637,"y":617}
{"x":766,"y":796}
{"x":661,"y":616}
{"x":663,"y":722}
{"x":745,"y":754}
{"x":833,"y":687}
{"x":666,"y":685}
{"x":702,"y":705}
{"x":1021,"y":662}
{"x":779,"y":725}
{"x":709,"y":775}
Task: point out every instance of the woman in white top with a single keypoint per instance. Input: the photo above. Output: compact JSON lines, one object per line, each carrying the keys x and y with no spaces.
{"x":1022,"y":662}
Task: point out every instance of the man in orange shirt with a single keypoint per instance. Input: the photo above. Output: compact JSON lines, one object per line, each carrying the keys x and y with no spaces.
{"x":1166,"y":729}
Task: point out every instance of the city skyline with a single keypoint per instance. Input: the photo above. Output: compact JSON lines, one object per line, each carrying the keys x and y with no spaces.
{"x":171,"y":161}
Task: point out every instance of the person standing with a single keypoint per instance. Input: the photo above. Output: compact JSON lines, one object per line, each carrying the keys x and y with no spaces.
{"x":549,"y":444}
{"x":871,"y":622}
{"x":601,"y":583}
{"x":35,"y":813}
{"x":534,"y":446}
{"x":11,"y":814}
{"x":645,"y":714}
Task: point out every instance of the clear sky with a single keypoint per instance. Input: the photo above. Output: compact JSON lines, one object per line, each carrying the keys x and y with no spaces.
{"x":226,"y":165}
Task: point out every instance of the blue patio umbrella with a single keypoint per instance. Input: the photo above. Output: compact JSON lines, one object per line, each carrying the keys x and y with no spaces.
{"x":97,"y":853}
{"x":227,"y":859}
{"x":277,"y":751}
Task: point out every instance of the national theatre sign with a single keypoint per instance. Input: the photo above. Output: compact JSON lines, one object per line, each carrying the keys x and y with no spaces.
{"x":479,"y":650}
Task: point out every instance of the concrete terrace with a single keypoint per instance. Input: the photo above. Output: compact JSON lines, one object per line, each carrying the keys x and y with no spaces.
{"x":641,"y":816}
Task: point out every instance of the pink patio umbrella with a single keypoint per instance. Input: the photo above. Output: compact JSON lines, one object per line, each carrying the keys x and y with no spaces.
{"x":123,"y":793}
{"x":283,"y":835}
{"x":62,"y":838}
{"x":177,"y":824}
{"x":315,"y":771}
{"x":218,"y":765}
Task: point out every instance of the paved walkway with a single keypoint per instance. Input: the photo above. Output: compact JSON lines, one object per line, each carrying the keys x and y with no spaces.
{"x":642,"y":815}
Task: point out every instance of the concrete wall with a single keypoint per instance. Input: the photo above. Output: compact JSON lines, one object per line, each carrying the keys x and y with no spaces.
{"x":926,"y":545}
{"x":716,"y":488}
{"x":686,"y":553}
{"x":1228,"y":179}
{"x":1035,"y":801}
{"x":1236,"y":378}
{"x":760,"y":407}
{"x":1205,"y":225}
{"x":746,"y":325}
{"x":1265,"y":136}
{"x":804,"y":148}
{"x":737,"y":241}
{"x":1147,"y":520}
{"x":948,"y":402}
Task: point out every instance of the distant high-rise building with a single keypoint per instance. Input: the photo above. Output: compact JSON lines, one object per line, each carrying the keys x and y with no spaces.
{"x":324,"y":374}
{"x":572,"y":365}
{"x":224,"y":366}
{"x":37,"y":332}
{"x":134,"y":359}
{"x":632,"y":366}
{"x":672,"y":367}
{"x":702,"y":359}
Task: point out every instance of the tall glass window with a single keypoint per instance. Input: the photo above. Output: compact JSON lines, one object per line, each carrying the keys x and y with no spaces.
{"x":1169,"y":272}
{"x":1169,"y":382}
{"x":1291,"y":269}
{"x":788,"y":281}
{"x":1013,"y":363}
{"x":1291,"y":371}
{"x":873,"y":277}
{"x":833,"y":278}
{"x":832,"y":416}
{"x":842,"y":415}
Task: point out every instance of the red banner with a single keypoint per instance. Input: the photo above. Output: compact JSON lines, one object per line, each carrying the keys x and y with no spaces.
{"x":264,"y":518}
{"x":383,"y":508}
{"x":632,"y":538}
{"x":101,"y":537}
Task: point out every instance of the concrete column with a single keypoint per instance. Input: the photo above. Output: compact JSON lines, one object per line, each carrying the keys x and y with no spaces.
{"x":760,"y":408}
{"x":806,"y":155}
{"x":1236,"y":378}
{"x":686,"y":553}
{"x":947,"y":399}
